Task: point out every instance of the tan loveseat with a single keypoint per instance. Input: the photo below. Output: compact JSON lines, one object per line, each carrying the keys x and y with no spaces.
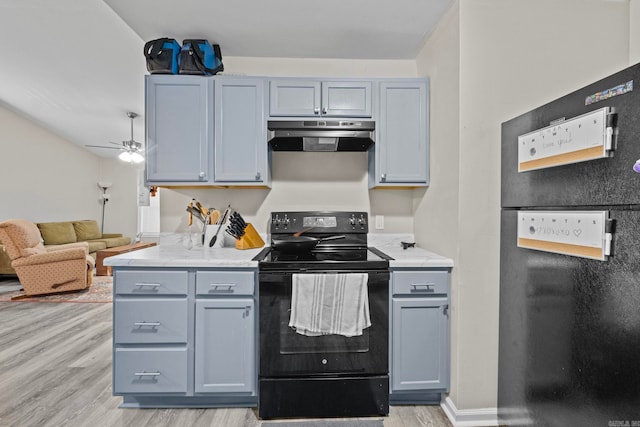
{"x":60,"y":233}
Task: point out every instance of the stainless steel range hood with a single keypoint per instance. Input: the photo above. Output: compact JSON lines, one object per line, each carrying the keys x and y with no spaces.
{"x":321,"y":135}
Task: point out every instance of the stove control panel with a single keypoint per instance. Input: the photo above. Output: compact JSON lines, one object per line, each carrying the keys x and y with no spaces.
{"x":319,"y":222}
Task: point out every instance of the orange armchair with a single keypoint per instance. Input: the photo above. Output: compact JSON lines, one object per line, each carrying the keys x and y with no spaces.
{"x":40,"y":271}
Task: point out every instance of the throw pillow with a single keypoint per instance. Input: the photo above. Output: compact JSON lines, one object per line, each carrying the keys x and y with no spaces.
{"x":87,"y":230}
{"x":57,"y":233}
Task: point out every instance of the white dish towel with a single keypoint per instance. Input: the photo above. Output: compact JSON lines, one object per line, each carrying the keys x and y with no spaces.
{"x":325,"y":304}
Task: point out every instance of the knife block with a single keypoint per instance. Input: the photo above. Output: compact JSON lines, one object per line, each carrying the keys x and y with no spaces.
{"x":250,"y":240}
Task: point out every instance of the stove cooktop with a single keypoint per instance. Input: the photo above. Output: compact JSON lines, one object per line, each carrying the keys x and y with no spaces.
{"x":342,"y":259}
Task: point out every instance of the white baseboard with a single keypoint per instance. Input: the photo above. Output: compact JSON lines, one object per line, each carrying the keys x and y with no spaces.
{"x":469,"y":417}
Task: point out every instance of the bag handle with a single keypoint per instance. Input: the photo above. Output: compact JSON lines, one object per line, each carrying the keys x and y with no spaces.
{"x":153,"y":48}
{"x":200,"y":63}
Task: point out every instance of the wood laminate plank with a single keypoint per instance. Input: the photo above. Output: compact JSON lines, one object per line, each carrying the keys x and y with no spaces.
{"x":55,"y":370}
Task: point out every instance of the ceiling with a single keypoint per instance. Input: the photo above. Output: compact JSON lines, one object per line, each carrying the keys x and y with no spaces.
{"x":76,"y":67}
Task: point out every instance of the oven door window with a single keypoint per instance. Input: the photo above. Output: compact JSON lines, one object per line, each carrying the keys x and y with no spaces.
{"x":284,"y":352}
{"x":292,"y":342}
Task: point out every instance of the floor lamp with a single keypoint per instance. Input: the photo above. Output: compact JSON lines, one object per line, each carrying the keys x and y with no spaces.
{"x":104,"y":185}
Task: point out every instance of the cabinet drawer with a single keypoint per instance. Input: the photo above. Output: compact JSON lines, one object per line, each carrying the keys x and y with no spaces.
{"x":150,"y":370}
{"x":143,"y":321}
{"x":151,"y":282}
{"x":225,"y":282}
{"x":420,"y":282}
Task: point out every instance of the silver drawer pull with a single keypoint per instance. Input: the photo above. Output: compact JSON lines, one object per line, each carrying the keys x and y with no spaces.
{"x":147,"y":324}
{"x":155,"y":285}
{"x":221,"y":287}
{"x":422,"y":287}
{"x":146,"y":374}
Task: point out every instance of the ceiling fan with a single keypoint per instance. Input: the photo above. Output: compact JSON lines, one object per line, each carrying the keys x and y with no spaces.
{"x":131,"y":150}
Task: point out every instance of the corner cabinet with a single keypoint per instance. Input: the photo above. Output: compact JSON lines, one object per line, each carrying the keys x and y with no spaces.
{"x":419,"y":350}
{"x":400,"y":156}
{"x":179,"y":129}
{"x":241,"y":149}
{"x":184,"y":337}
{"x":318,"y":98}
{"x":206,"y":131}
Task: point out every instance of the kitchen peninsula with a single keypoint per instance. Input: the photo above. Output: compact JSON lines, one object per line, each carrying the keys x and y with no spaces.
{"x":186,"y":325}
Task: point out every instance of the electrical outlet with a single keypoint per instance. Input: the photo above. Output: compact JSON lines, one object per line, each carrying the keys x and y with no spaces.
{"x":379,"y":222}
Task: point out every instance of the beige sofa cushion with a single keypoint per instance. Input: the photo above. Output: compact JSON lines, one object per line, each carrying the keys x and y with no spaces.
{"x":96,"y":245}
{"x":86,"y":230}
{"x":57,"y":233}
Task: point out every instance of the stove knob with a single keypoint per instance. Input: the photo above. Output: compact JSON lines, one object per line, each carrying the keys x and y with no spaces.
{"x":362,"y":221}
{"x":352,"y":220}
{"x":286,"y":221}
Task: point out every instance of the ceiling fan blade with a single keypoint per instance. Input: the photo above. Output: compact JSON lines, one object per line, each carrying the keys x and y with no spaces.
{"x":101,"y":146}
{"x":114,"y":143}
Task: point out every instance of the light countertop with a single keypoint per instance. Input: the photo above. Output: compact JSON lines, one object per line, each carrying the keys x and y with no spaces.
{"x":173,"y":254}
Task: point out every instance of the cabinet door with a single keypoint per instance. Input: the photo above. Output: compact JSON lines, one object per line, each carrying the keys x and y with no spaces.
{"x":240,"y":131}
{"x":346,"y":99}
{"x":403,"y":138}
{"x":179,"y":117}
{"x":294,"y":98}
{"x":225,"y":346}
{"x":420,"y":344}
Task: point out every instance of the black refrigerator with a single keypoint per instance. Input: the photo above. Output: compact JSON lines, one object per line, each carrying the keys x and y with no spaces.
{"x":569,"y":334}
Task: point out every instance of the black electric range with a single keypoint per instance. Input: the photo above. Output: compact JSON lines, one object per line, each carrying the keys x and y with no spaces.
{"x":330,"y":375}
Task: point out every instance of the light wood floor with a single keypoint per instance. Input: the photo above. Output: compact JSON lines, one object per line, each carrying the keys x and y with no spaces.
{"x":55,"y":370}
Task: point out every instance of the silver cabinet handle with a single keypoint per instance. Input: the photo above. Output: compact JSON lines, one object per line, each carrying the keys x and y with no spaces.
{"x":316,"y":110}
{"x":445,"y":309}
{"x":258,"y":176}
{"x":383,"y":177}
{"x":324,"y":110}
{"x":247,"y":310}
{"x":147,"y":324}
{"x":155,"y":285}
{"x":146,"y":374}
{"x":221,"y":287}
{"x":422,"y":287}
{"x":201,"y":175}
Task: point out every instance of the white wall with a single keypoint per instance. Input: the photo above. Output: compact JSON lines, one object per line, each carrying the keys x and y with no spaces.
{"x":304,"y":180}
{"x":121,"y":211}
{"x":437,"y":208}
{"x":44,"y":177}
{"x":501,"y":75}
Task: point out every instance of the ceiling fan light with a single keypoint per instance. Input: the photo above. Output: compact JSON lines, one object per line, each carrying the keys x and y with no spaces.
{"x":125,"y":156}
{"x":137,"y":158}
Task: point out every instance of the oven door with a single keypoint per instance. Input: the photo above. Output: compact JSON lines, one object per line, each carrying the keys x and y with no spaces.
{"x":285,"y":353}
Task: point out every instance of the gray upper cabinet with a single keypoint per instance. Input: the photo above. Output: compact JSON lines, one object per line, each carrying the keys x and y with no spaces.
{"x":179,"y":129}
{"x":316,"y":98}
{"x":241,"y":149}
{"x":402,"y":135}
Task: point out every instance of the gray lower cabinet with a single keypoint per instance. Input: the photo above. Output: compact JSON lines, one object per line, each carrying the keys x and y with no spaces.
{"x":225,"y":351}
{"x":184,"y":337}
{"x":419,"y":335}
{"x":400,"y":155}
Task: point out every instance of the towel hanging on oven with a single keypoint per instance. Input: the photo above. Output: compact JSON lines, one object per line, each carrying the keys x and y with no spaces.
{"x":326,"y":304}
